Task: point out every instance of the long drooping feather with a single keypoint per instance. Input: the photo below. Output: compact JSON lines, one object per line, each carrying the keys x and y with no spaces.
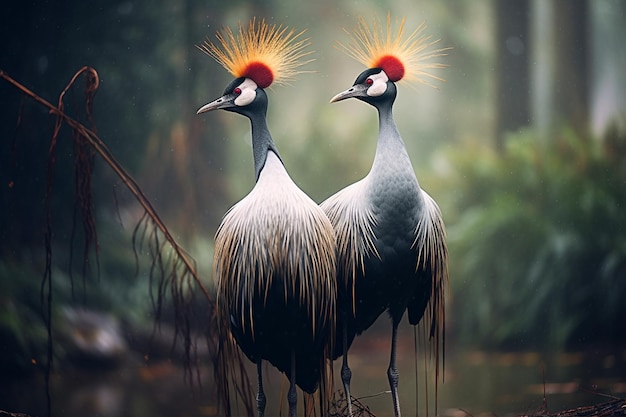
{"x":432,"y":256}
{"x":247,"y":257}
{"x":353,"y":225}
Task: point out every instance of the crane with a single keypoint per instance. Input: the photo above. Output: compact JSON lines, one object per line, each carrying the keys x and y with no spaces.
{"x":391,"y":242}
{"x":274,"y":260}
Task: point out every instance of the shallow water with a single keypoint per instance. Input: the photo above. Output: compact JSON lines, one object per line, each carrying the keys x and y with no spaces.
{"x":476,"y":382}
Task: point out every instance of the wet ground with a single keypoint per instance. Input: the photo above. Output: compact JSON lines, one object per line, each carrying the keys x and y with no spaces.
{"x":476,"y":382}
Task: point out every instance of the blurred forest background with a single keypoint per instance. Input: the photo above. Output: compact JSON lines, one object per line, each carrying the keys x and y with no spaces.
{"x":523,"y":147}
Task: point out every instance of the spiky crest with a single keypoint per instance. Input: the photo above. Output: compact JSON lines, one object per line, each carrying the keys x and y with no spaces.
{"x":264,"y":53}
{"x":402,"y":58}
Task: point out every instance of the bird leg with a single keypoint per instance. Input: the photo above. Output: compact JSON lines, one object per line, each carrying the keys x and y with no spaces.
{"x":260,"y":396}
{"x":346,"y":373}
{"x":392,"y":371}
{"x":292,"y":395}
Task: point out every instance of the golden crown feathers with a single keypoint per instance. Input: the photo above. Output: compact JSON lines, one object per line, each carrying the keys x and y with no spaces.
{"x":262,"y":52}
{"x":402,"y":58}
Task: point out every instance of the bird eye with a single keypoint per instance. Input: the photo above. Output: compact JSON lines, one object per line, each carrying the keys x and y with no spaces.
{"x":369,"y":81}
{"x":237,"y":91}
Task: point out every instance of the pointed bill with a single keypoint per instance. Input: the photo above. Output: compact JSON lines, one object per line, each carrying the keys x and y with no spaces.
{"x":220,"y":103}
{"x":354,"y":91}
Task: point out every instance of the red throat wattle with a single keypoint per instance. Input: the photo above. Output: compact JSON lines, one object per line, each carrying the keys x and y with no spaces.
{"x":260,"y":73}
{"x":392,"y":66}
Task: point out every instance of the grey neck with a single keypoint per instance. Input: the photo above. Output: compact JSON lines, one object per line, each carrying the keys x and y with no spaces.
{"x":390,"y":148}
{"x":262,"y":142}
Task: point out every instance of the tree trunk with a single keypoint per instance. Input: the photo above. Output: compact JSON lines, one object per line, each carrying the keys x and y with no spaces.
{"x":560,"y":75}
{"x":512,"y":69}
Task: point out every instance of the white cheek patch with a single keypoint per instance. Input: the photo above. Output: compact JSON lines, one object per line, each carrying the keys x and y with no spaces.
{"x":248,"y":93}
{"x":379,"y":86}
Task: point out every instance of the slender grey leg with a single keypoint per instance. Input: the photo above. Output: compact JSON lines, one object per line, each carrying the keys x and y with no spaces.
{"x":392,"y":371}
{"x":260,"y":395}
{"x":346,"y":373}
{"x":292,"y":395}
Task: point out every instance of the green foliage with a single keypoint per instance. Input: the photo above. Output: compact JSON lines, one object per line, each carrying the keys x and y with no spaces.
{"x":119,"y":284}
{"x":538,"y":242}
{"x":22,"y":330}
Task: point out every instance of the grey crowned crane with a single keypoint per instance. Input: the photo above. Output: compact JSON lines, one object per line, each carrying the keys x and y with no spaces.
{"x":274,"y":261}
{"x":391,"y":241}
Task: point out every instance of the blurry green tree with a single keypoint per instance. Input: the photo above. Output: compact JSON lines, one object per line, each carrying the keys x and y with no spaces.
{"x":538,"y":241}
